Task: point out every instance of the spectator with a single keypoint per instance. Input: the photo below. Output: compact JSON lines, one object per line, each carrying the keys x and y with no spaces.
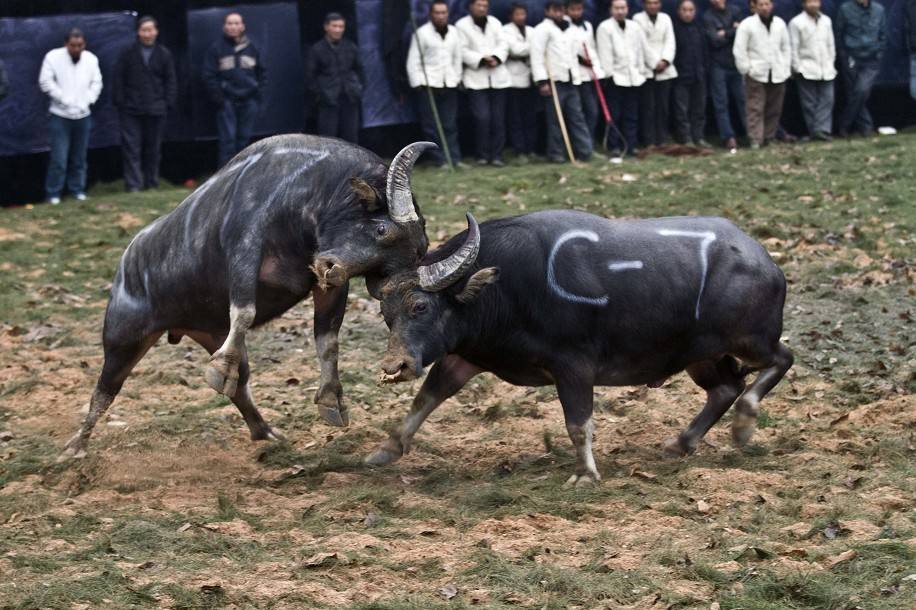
{"x":70,"y":76}
{"x":813,"y":56}
{"x":720,"y":22}
{"x":861,"y":40}
{"x":583,"y":35}
{"x":235,"y":78}
{"x":656,"y":93}
{"x":485,"y":78}
{"x":334,"y":77}
{"x":4,"y":82}
{"x":434,"y":67}
{"x":625,"y":56}
{"x":690,"y":60}
{"x":521,"y":101}
{"x":911,"y":38}
{"x":144,"y":89}
{"x":763,"y":56}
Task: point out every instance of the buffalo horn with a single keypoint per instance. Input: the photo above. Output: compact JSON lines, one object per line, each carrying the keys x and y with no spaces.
{"x":400,"y":196}
{"x":444,"y":273}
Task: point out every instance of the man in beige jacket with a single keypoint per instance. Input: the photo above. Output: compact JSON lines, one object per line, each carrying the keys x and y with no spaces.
{"x":813,"y":57}
{"x":656,"y":93}
{"x":763,"y":55}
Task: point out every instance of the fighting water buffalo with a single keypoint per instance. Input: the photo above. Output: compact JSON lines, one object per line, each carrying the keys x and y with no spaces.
{"x":288,"y":216}
{"x":574,"y":300}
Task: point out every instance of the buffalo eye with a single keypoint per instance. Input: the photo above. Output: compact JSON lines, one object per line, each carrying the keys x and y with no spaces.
{"x":418,"y":308}
{"x":381,"y":230}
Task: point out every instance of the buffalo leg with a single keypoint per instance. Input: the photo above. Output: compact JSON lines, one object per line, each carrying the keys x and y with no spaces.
{"x":120,"y":359}
{"x":330,"y":306}
{"x":723,"y":385}
{"x":445,"y":378}
{"x":260,"y":430}
{"x":577,"y":398}
{"x":222,"y":372}
{"x":748,"y":405}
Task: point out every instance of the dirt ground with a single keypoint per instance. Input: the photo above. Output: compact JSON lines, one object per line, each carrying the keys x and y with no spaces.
{"x":176,"y":508}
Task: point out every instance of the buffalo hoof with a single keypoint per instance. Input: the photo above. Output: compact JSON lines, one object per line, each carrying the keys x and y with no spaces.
{"x":334,"y":417}
{"x":268,"y":434}
{"x":582,"y":480}
{"x":222,"y":376}
{"x":388,"y":453}
{"x":73,"y":450}
{"x":675,"y":448}
{"x":743,"y":428}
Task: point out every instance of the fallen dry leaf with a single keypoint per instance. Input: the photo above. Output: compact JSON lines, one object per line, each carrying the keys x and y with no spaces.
{"x":449,"y":591}
{"x":843,"y":557}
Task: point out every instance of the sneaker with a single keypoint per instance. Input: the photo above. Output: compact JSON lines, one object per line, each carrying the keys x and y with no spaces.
{"x":54,"y":200}
{"x":523,"y":160}
{"x":80,"y":196}
{"x":461,"y":165}
{"x":497,"y":163}
{"x":482,"y":162}
{"x":731,"y":144}
{"x":755,"y":146}
{"x":704,"y":144}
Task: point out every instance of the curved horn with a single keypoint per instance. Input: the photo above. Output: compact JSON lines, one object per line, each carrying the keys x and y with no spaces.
{"x":444,"y":273}
{"x":400,"y":197}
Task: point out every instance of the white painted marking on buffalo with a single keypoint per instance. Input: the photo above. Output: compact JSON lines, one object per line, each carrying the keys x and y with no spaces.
{"x":706,"y":237}
{"x":552,"y":276}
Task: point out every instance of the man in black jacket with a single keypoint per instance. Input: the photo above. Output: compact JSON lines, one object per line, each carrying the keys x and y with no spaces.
{"x":4,"y":81}
{"x":334,"y":77}
{"x":720,"y":21}
{"x":144,"y":90}
{"x":690,"y":60}
{"x":234,"y":77}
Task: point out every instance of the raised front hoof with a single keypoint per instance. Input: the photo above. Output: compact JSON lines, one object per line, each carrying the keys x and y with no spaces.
{"x":743,"y":428}
{"x":674,"y":447}
{"x":388,"y":453}
{"x":580,"y":481}
{"x":268,"y":434}
{"x":221,"y":378}
{"x":333,"y":416}
{"x":73,"y":450}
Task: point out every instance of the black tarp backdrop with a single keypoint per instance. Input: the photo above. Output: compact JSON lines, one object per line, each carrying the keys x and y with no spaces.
{"x":380,"y":27}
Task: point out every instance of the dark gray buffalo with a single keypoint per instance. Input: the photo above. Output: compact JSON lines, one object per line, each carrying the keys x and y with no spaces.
{"x":288,"y":216}
{"x":574,"y":300}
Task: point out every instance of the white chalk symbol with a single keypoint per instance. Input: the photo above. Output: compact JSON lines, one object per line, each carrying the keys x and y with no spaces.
{"x":577,"y":298}
{"x":706,"y":238}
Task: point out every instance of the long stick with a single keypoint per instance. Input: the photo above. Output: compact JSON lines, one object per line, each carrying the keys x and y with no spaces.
{"x":429,"y":92}
{"x":559,"y":111}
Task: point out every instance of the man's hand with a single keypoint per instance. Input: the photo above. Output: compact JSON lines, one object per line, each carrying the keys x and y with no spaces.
{"x":544,"y":89}
{"x":585,"y":62}
{"x":661,"y":66}
{"x":720,"y":33}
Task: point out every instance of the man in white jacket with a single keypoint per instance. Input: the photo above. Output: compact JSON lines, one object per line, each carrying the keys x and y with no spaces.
{"x":553,"y":56}
{"x":485,"y":78}
{"x":625,"y":57}
{"x":813,"y":57}
{"x":434,"y":65}
{"x":656,"y":93}
{"x":521,"y":103}
{"x":763,"y":55}
{"x":70,"y":76}
{"x":583,"y":35}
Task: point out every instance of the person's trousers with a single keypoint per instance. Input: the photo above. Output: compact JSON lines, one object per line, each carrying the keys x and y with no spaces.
{"x":816,"y":97}
{"x":340,"y":120}
{"x":624,"y":102}
{"x":763,"y":108}
{"x":689,"y":110}
{"x":447,"y":105}
{"x":579,"y":137}
{"x":858,"y":82}
{"x":521,"y":117}
{"x":141,"y":143}
{"x":488,"y":109}
{"x":589,"y":99}
{"x":913,"y":72}
{"x":654,"y":103}
{"x":727,"y":84}
{"x":69,"y":140}
{"x":235,"y":124}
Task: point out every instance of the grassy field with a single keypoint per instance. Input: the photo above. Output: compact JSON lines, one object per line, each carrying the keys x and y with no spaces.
{"x":176,"y":508}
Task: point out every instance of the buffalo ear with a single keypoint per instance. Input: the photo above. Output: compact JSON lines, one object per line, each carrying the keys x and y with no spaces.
{"x":476,"y":283}
{"x":366,"y":194}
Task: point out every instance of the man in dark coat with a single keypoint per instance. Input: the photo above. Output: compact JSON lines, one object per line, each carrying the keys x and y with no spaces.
{"x":334,"y":77}
{"x":861,"y":38}
{"x":690,"y":87}
{"x":234,"y":77}
{"x":4,"y":81}
{"x":720,"y":22}
{"x":911,"y":41}
{"x":144,"y":90}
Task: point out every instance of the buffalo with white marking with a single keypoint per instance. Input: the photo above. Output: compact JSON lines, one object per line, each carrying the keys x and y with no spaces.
{"x":288,"y":216}
{"x":574,"y":300}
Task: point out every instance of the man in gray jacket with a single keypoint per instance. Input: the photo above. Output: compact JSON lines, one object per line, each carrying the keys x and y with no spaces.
{"x":911,"y":39}
{"x":861,"y":38}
